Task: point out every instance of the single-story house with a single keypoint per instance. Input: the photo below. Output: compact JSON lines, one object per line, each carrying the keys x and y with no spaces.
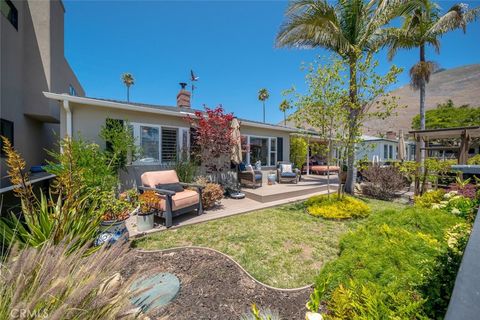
{"x":377,"y":149}
{"x":162,"y":131}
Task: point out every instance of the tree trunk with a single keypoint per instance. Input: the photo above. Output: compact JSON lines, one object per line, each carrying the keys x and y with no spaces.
{"x":329,"y":156}
{"x":352,"y":128}
{"x":422,"y":91}
{"x":422,"y":118}
{"x":263,"y":111}
{"x":285,"y":118}
{"x":128,"y":94}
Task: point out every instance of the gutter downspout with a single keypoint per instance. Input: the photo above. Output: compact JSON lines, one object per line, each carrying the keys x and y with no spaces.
{"x":66,"y":106}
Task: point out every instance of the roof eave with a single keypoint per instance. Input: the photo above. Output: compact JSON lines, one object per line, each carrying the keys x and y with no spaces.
{"x":137,"y":108}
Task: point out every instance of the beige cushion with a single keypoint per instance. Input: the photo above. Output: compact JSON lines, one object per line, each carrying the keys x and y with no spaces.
{"x":249,"y":168}
{"x":152,"y":178}
{"x":286,"y":168}
{"x":181,"y":200}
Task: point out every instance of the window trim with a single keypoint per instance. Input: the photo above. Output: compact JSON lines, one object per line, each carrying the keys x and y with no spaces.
{"x":14,"y":10}
{"x":268,"y":165}
{"x":72,"y":91}
{"x":136,"y":133}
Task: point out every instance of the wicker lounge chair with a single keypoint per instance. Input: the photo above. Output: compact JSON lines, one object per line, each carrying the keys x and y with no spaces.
{"x":287,"y":173}
{"x":249,"y":177}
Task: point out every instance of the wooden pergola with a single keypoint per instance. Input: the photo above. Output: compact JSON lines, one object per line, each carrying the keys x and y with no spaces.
{"x":463,"y":133}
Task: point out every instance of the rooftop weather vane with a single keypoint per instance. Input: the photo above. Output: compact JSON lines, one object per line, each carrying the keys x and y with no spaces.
{"x":193,"y":79}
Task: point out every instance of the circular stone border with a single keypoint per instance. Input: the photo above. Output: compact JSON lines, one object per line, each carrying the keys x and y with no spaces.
{"x":231,"y":259}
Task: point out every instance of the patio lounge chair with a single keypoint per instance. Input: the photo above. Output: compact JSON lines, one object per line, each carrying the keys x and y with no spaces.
{"x":287,"y":173}
{"x":322,"y":169}
{"x":177,"y":200}
{"x":249,"y":177}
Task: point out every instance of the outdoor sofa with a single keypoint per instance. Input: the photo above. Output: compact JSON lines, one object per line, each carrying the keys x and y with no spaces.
{"x":178,"y":197}
{"x":321,"y":169}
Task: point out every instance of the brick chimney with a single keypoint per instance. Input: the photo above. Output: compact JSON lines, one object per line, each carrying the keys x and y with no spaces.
{"x":392,"y":135}
{"x":183,"y":97}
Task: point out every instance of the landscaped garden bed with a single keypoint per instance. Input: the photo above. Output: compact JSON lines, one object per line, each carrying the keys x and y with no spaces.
{"x":399,"y":261}
{"x":214,"y":287}
{"x":283,"y":246}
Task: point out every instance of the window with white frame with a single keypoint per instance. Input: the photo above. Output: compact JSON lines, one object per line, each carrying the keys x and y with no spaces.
{"x":160,"y":144}
{"x":263,"y":149}
{"x":273,"y":151}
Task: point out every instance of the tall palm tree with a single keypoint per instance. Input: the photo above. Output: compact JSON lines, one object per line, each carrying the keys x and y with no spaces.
{"x":348,"y":28}
{"x":263,"y":95}
{"x":284,"y":106}
{"x":422,"y":27}
{"x":128,"y":81}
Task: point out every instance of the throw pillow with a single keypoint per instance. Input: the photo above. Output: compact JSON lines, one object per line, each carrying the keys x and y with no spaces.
{"x":249,"y":168}
{"x":175,"y":187}
{"x":241,"y":166}
{"x":286,"y":168}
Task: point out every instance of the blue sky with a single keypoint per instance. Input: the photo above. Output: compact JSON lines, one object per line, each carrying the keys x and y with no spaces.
{"x":229,"y":44}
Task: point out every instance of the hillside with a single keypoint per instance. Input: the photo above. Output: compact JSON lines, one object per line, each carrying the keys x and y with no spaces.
{"x":461,"y":84}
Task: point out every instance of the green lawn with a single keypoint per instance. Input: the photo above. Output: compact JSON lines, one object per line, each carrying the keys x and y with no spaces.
{"x":281,"y":246}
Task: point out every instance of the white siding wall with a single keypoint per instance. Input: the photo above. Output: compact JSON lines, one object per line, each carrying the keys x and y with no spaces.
{"x":375,"y":149}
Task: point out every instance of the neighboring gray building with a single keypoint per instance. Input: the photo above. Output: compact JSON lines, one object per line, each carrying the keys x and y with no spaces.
{"x":32,"y":61}
{"x":377,"y":149}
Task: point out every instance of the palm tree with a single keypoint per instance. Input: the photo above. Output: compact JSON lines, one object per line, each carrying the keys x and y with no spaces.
{"x":284,"y":106}
{"x":348,"y":28}
{"x":422,"y":27}
{"x":128,"y":81}
{"x":262,"y":96}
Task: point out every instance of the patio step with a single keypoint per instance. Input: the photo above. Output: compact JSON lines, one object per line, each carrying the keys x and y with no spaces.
{"x":277,"y":192}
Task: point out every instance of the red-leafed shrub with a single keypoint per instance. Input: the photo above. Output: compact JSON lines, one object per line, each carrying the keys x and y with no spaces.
{"x":213,"y":139}
{"x":467,"y":190}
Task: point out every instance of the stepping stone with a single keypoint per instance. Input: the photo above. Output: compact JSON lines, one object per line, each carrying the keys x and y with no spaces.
{"x":155,"y":291}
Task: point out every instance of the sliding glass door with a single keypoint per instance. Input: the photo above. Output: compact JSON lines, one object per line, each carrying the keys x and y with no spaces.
{"x":259,"y":150}
{"x":263,"y":149}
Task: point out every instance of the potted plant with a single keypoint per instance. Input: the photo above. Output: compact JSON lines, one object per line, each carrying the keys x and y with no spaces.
{"x":212,"y":193}
{"x":112,"y":225}
{"x":150,"y":203}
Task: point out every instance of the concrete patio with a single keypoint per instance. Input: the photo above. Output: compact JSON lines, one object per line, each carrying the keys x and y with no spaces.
{"x":256,"y":199}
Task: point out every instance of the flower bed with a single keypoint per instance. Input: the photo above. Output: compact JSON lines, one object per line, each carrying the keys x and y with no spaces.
{"x":452,"y":202}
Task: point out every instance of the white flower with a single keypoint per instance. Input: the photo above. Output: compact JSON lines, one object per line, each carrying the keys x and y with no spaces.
{"x":435,"y":206}
{"x":456,"y":211}
{"x":313,"y":316}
